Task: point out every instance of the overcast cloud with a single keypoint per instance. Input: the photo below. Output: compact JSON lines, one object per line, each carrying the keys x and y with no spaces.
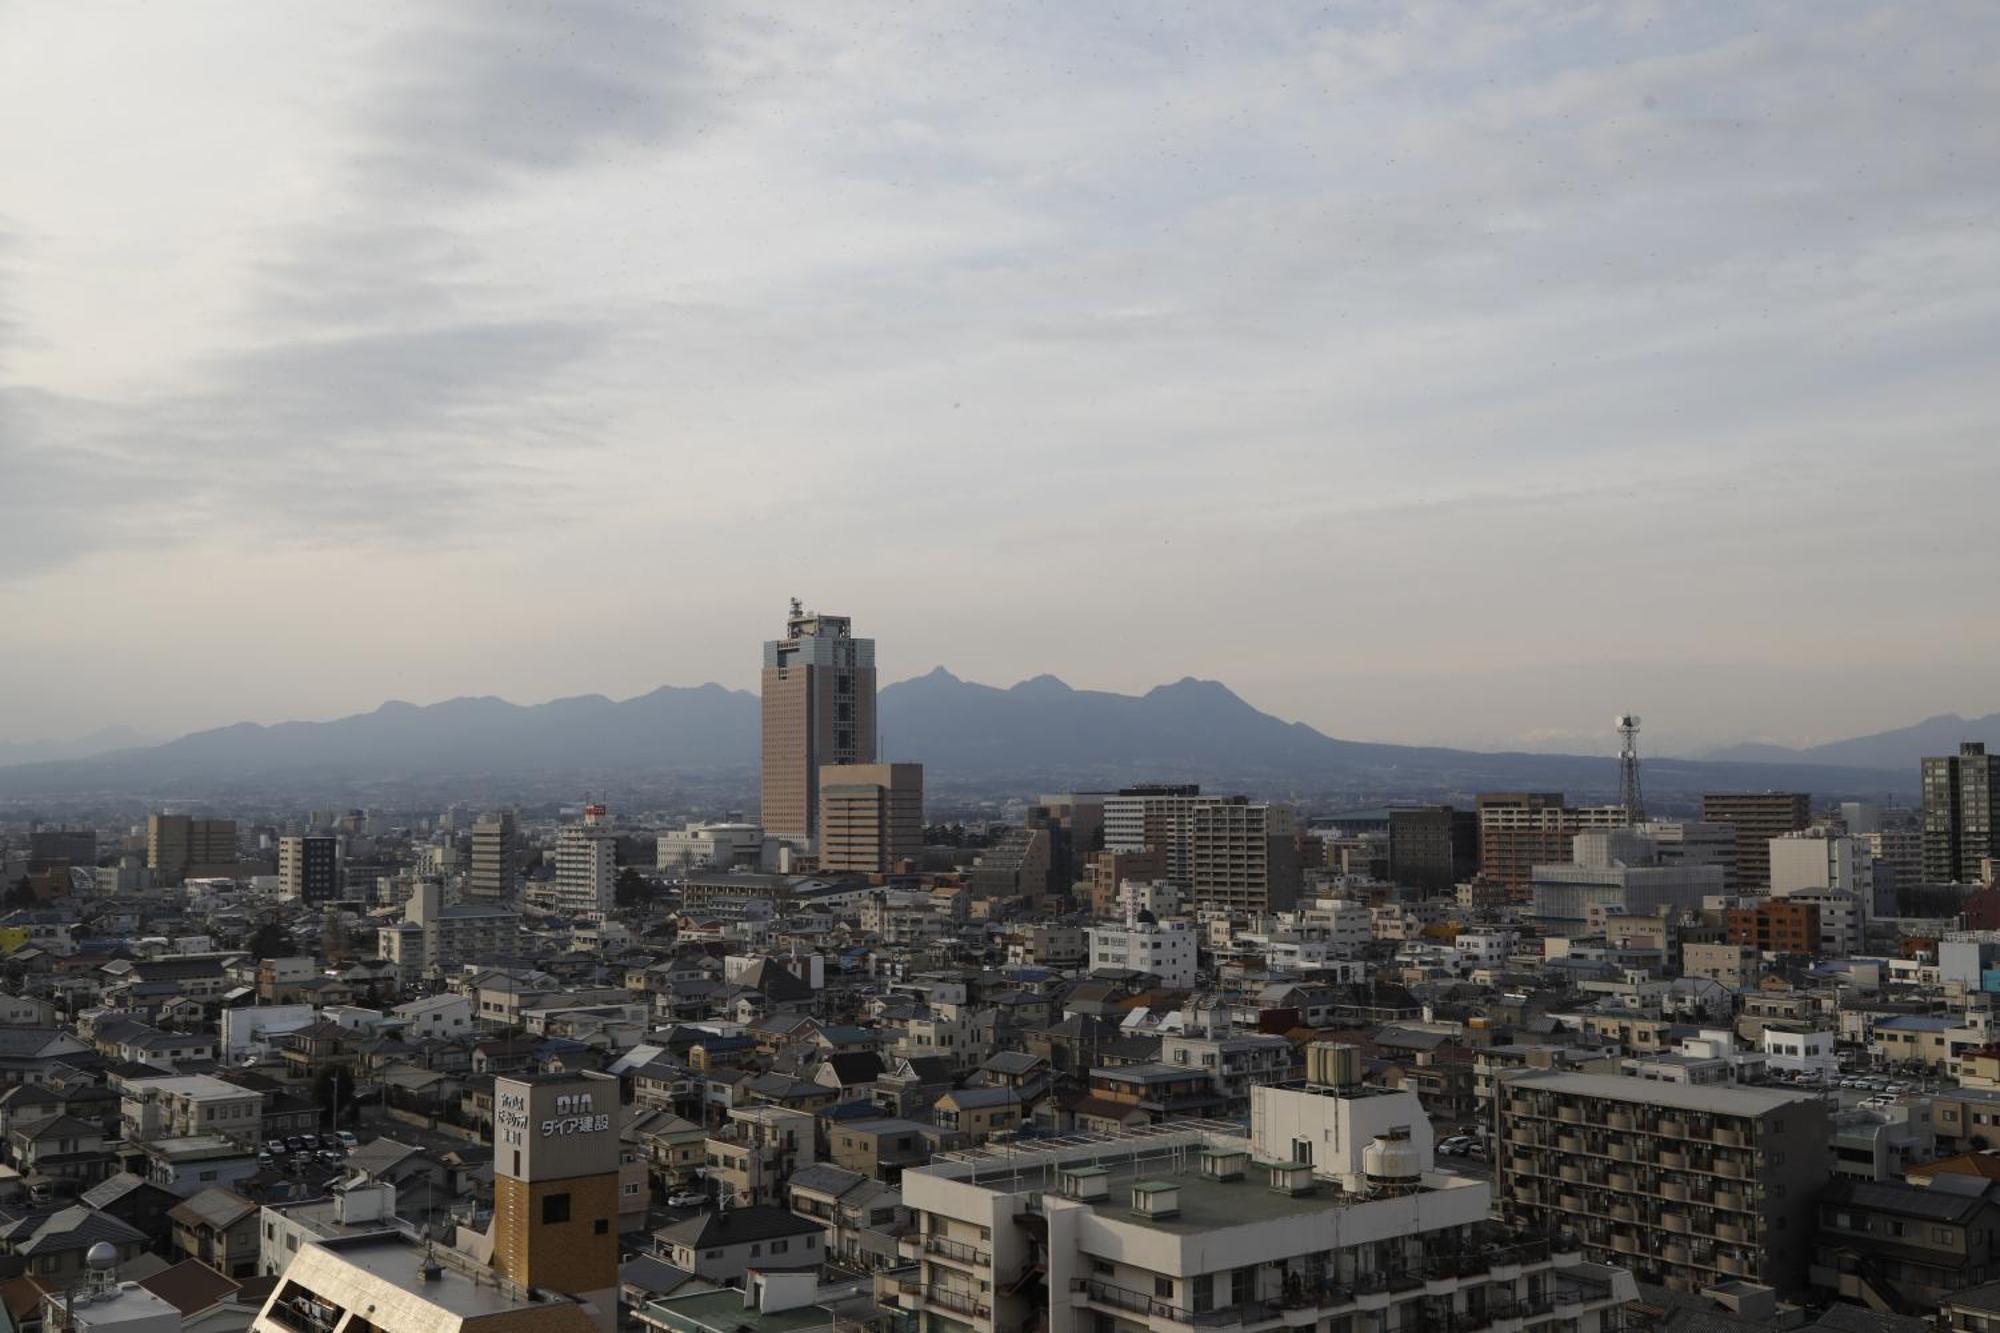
{"x":1426,"y":372}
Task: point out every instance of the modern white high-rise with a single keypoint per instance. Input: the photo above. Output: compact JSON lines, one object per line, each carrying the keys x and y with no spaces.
{"x":586,"y":879}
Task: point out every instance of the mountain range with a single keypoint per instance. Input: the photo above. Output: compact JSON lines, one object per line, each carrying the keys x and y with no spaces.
{"x":1039,"y":733}
{"x":1901,"y":748}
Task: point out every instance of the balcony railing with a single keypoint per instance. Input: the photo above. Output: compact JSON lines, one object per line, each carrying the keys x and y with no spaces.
{"x":962,"y":1302}
{"x":958,"y":1251}
{"x":1138,"y":1302}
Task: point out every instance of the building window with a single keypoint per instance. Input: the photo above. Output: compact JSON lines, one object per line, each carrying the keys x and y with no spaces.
{"x":555,"y":1208}
{"x":600,"y":1227}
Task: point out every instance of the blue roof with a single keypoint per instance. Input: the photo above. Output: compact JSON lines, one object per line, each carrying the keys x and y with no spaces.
{"x":1917,"y":1023}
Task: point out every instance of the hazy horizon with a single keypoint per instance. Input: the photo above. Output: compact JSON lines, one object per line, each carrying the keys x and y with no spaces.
{"x":1579,"y":742}
{"x":1426,"y":374}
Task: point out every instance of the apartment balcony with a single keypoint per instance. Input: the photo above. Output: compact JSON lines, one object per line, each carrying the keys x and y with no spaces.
{"x":1673,"y":1161}
{"x":944,"y":1298}
{"x":1674,"y":1190}
{"x":1673,"y":1129}
{"x":1621,"y":1182}
{"x":1729,"y":1231}
{"x":1730,"y":1168}
{"x":1674,"y":1254}
{"x":1624,"y":1212}
{"x":1732,"y":1265}
{"x":1571,"y":1143}
{"x":1729,"y":1201}
{"x":958,"y":1252}
{"x":1727,"y":1138}
{"x":1624,"y":1243}
{"x":1569,"y":1115}
{"x":1623,"y":1152}
{"x":1572,"y":1174}
{"x":1090,"y":1292}
{"x":1618,"y":1120}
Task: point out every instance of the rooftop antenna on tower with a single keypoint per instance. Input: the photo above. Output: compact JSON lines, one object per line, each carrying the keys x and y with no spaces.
{"x":1628,"y":768}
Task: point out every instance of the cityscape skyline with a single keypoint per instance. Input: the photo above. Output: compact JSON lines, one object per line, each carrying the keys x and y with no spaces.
{"x":979,"y":667}
{"x":1317,"y":322}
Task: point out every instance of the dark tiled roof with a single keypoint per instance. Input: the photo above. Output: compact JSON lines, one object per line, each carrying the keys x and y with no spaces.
{"x":737,"y":1226}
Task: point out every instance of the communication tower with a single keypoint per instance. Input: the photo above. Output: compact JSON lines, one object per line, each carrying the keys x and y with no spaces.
{"x":1628,"y":768}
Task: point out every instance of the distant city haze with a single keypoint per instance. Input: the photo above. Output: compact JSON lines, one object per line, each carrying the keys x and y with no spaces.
{"x":1426,"y":374}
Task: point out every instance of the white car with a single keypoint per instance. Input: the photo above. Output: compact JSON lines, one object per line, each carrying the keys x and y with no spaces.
{"x":687,"y":1199}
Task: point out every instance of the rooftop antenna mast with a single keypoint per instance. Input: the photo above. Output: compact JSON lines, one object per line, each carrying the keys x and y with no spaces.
{"x":1628,"y":768}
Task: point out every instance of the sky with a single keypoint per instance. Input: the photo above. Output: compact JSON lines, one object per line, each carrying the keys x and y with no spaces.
{"x":1427,"y":372}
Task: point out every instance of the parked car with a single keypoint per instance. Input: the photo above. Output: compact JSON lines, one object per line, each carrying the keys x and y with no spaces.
{"x":687,"y":1199}
{"x":347,"y":1139}
{"x":274,"y":1146}
{"x":295,"y":1143}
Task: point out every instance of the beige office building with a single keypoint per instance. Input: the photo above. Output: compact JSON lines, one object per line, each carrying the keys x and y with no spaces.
{"x":494,"y":875}
{"x":1244,"y":856}
{"x":179,"y":845}
{"x":871,"y":817}
{"x":818,"y":712}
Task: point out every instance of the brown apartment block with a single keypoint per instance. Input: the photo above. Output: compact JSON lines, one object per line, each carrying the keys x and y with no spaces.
{"x":1778,"y":925}
{"x":1689,"y":1187}
{"x":1757,"y":817}
{"x":818,"y":711}
{"x":1519,"y":830}
{"x":1108,"y":870}
{"x":179,"y":846}
{"x":871,"y":817}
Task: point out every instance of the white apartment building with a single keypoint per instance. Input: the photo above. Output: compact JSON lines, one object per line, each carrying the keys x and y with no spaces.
{"x":185,"y":1106}
{"x":1796,"y":1051}
{"x":1485,"y":948}
{"x":586,"y":877}
{"x":251,"y":1030}
{"x":283,"y":1228}
{"x":435,"y":1017}
{"x":1843,"y":919}
{"x":1810,"y":865}
{"x":1329,"y":1215}
{"x":1167,"y":949}
{"x":433,"y":938}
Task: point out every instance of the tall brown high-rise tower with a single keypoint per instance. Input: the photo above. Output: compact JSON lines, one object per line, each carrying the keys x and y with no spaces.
{"x":819,"y":709}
